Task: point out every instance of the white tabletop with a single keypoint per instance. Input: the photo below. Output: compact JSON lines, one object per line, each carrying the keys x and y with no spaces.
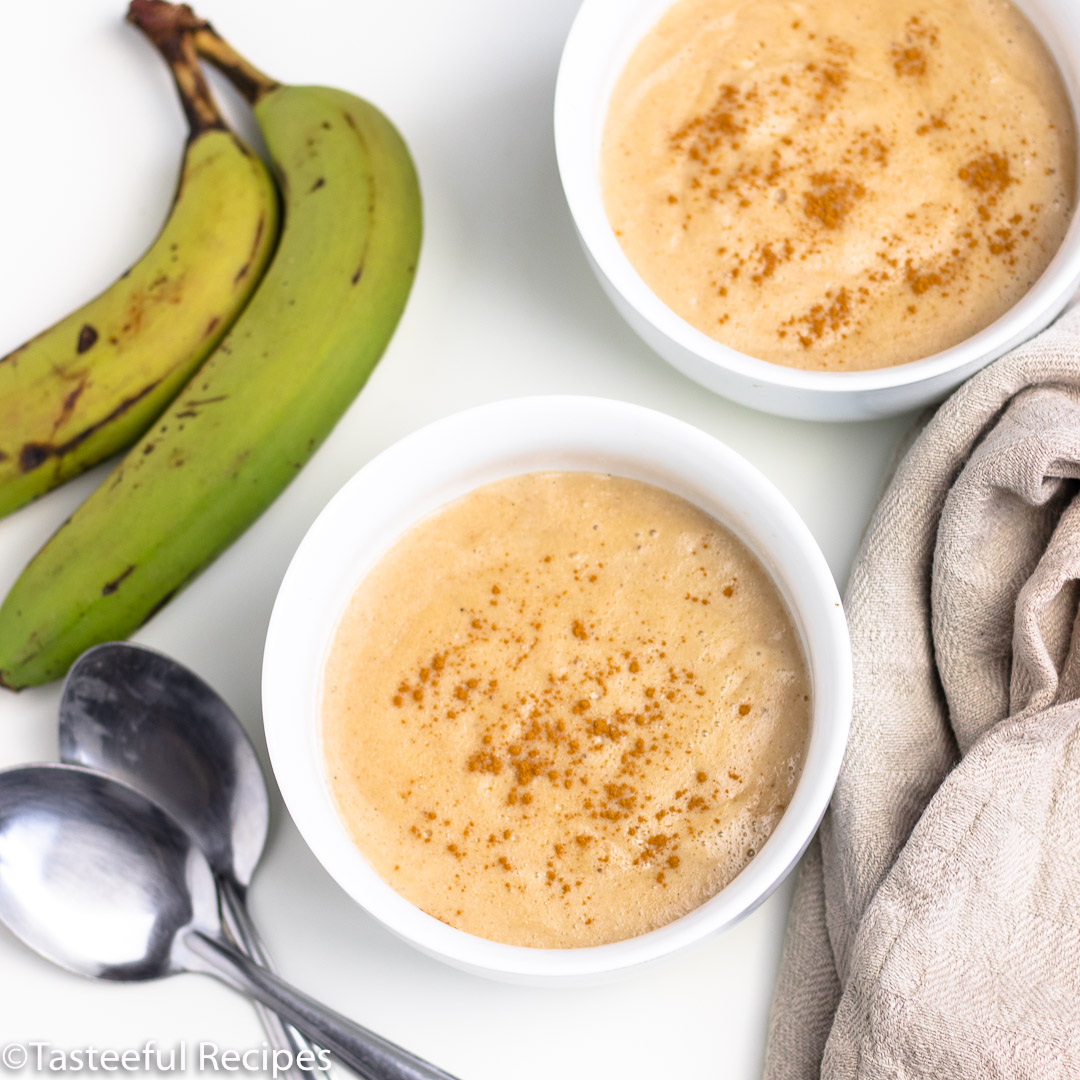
{"x":504,"y":305}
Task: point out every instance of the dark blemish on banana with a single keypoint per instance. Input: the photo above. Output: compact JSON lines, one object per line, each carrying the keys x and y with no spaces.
{"x":3,"y":456}
{"x":12,"y":357}
{"x":71,"y":399}
{"x":110,"y":587}
{"x":34,"y":454}
{"x":87,"y":336}
{"x":359,"y":273}
{"x":160,"y":604}
{"x":260,"y":225}
{"x":211,"y":326}
{"x":321,"y":182}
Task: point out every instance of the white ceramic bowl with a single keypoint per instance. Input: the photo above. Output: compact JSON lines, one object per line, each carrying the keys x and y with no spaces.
{"x":601,"y":40}
{"x":451,"y":457}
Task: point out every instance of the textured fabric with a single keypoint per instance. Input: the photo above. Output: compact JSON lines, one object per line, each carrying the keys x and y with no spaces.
{"x":935,"y":930}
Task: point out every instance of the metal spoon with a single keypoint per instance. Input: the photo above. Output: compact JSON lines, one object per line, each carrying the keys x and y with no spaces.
{"x":136,"y":715}
{"x":100,"y":880}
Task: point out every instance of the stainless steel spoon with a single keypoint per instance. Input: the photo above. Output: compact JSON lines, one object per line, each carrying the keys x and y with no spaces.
{"x":147,"y":720}
{"x":102,"y":881}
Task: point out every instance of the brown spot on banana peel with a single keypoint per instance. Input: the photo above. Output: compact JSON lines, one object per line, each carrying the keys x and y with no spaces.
{"x":321,"y":182}
{"x":191,"y":408}
{"x":260,"y":225}
{"x":211,"y":326}
{"x":111,"y":586}
{"x":87,"y":336}
{"x":12,"y":357}
{"x":33,"y":455}
{"x":161,"y":603}
{"x":69,"y":403}
{"x":358,"y":273}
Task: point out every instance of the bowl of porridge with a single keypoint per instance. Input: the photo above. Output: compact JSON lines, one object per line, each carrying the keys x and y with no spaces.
{"x":827,"y":211}
{"x":556,"y":687}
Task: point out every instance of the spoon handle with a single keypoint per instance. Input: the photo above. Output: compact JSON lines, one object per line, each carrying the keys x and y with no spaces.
{"x":282,"y":1036}
{"x":372,"y":1056}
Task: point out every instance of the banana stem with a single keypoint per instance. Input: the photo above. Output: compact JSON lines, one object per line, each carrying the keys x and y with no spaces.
{"x":174,"y":40}
{"x":165,"y":23}
{"x":248,"y":79}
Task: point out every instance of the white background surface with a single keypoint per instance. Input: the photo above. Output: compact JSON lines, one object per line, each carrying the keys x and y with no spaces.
{"x":504,"y":305}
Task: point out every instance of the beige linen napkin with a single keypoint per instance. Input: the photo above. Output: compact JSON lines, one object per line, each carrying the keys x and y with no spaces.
{"x":935,"y":930}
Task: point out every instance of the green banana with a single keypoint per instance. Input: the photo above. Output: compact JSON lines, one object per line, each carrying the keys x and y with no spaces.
{"x":263,"y":401}
{"x":93,"y":383}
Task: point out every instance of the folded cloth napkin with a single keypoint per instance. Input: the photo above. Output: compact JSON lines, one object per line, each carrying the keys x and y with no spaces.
{"x":935,"y":930}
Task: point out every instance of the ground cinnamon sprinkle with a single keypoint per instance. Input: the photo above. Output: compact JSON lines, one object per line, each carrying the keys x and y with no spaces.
{"x":830,"y":198}
{"x":910,"y":55}
{"x":562,"y":729}
{"x":831,"y":317}
{"x":988,"y":173}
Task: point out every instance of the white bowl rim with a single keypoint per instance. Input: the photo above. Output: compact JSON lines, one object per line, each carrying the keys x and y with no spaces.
{"x":580,"y":179}
{"x":298,"y":630}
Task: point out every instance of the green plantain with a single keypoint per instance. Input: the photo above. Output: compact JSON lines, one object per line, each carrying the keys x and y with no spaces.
{"x":260,"y":405}
{"x":93,"y":383}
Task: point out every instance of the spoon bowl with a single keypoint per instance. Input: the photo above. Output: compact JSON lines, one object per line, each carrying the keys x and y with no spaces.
{"x":95,"y":877}
{"x":147,"y":720}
